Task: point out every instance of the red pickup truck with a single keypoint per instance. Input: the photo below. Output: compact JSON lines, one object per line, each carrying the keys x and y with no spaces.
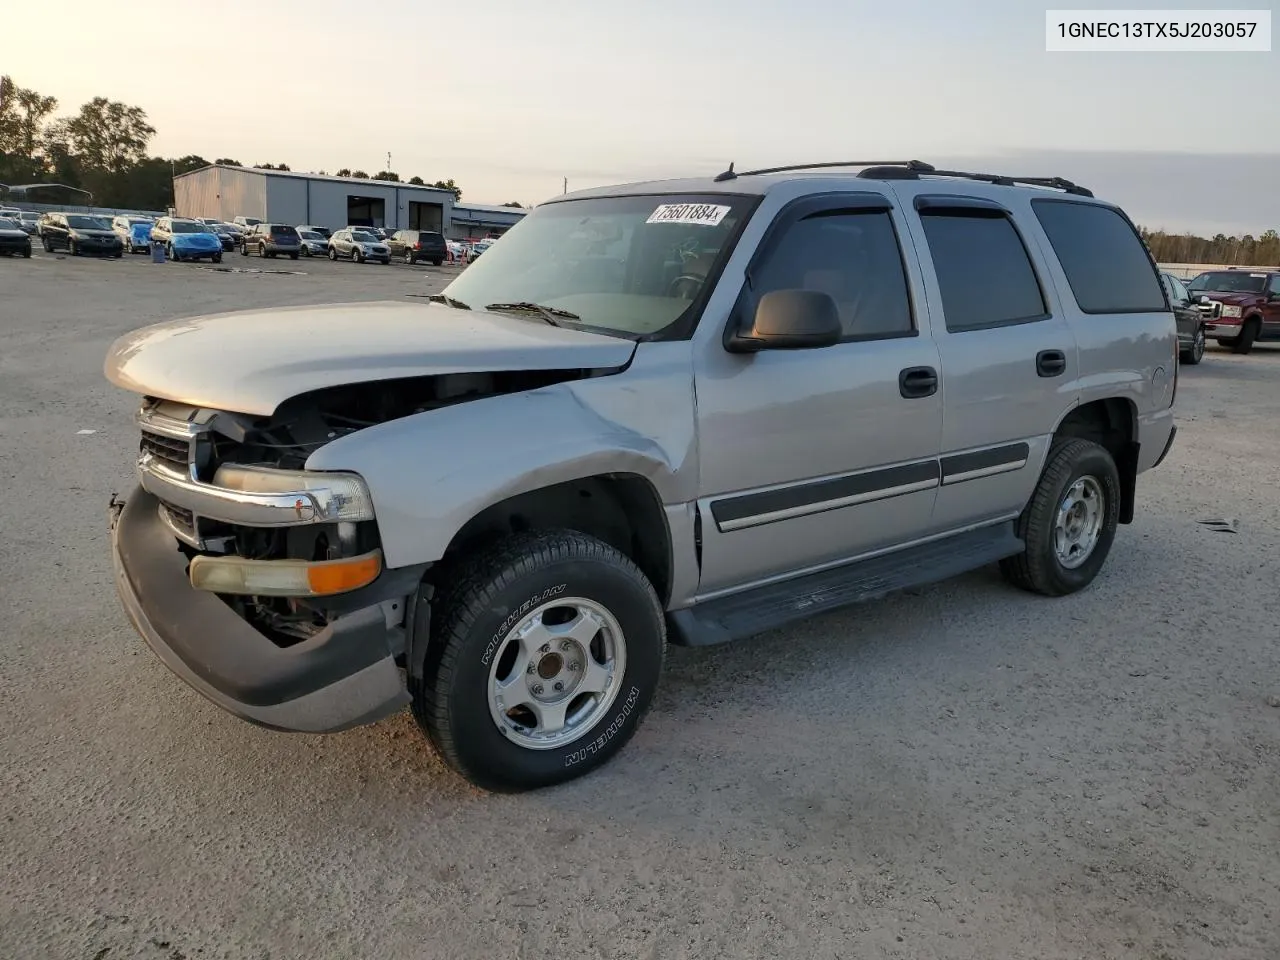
{"x":1241,"y":307}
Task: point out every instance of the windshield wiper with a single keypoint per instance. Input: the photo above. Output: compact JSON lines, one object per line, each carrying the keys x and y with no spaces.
{"x":449,"y":301}
{"x":551,"y":315}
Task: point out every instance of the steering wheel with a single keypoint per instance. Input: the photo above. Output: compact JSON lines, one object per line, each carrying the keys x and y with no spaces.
{"x":676,"y":290}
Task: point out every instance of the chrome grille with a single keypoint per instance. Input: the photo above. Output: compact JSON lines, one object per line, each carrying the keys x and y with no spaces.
{"x":1211,"y":310}
{"x":181,"y":520}
{"x":170,"y":450}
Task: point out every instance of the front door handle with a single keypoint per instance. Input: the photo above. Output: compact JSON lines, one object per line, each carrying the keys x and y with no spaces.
{"x":1051,"y":363}
{"x":915,"y":382}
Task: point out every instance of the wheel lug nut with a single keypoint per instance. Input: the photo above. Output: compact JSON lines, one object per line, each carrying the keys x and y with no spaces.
{"x":559,"y":686}
{"x":574,"y":667}
{"x":546,"y":648}
{"x":533,"y":668}
{"x":565,"y":645}
{"x":537,"y":689}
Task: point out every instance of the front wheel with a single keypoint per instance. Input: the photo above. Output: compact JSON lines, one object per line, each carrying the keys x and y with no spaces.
{"x":357,"y":256}
{"x":1248,"y":334}
{"x":333,"y":253}
{"x":545,"y":652}
{"x":216,"y":258}
{"x":244,"y":249}
{"x":293,"y":256}
{"x":1070,"y":523}
{"x":72,"y":250}
{"x":1195,"y":353}
{"x":409,"y":258}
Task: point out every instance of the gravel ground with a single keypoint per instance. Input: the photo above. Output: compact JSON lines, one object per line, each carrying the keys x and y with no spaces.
{"x":962,"y":772}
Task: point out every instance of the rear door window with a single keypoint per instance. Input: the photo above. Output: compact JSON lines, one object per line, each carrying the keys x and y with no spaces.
{"x":283,"y":230}
{"x":984,"y":273}
{"x":1107,"y":266}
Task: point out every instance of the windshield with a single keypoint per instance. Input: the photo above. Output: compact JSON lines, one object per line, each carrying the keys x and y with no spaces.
{"x":181,"y":227}
{"x":630,"y":265}
{"x":1229,"y":281}
{"x":87,"y":223}
{"x":364,"y":236}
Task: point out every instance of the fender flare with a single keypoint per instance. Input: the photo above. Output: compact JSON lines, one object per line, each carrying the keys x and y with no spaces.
{"x":425,"y":489}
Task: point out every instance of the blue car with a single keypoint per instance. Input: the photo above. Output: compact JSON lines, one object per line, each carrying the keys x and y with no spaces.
{"x":187,"y":239}
{"x":139,"y":238}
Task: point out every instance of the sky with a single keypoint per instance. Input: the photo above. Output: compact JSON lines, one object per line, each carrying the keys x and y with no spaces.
{"x":509,"y":97}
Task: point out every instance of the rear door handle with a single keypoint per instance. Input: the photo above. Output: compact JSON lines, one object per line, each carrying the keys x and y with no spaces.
{"x":1051,"y":363}
{"x":915,"y":382}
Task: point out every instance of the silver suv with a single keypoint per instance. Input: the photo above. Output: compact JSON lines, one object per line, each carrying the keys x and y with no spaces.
{"x":687,"y":411}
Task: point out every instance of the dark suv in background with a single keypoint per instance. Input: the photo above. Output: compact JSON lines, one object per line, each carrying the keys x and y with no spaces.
{"x":79,"y":233}
{"x":415,"y":245}
{"x":271,"y":239}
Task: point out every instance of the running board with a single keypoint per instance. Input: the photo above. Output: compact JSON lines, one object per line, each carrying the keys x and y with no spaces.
{"x":775,"y":605}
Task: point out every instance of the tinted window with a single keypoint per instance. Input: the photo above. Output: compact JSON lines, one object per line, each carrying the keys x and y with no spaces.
{"x":283,"y":230}
{"x":984,"y":273}
{"x":1107,"y":266}
{"x":854,"y":257}
{"x":1275,"y":284}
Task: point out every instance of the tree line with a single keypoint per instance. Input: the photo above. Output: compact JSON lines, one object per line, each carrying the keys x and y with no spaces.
{"x":1245,"y":250}
{"x":102,"y":148}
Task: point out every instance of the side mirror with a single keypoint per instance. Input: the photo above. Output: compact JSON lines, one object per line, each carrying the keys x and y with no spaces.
{"x":789,"y":320}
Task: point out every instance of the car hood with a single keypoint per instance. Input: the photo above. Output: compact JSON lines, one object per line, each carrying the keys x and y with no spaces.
{"x":253,"y":361}
{"x":1234,"y":298}
{"x":6,"y":232}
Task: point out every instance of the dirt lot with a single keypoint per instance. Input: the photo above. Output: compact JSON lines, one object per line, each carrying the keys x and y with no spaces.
{"x":965,"y":772}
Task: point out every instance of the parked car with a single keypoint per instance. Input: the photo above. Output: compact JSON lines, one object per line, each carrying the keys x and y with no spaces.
{"x":314,"y":244}
{"x":14,"y":241}
{"x":186,"y":239}
{"x":246,"y":222}
{"x":508,"y":527}
{"x":79,"y":233}
{"x":415,"y":245}
{"x":139,"y":238}
{"x":271,"y":240}
{"x":477,"y":248}
{"x":323,"y":231}
{"x":122,"y":225}
{"x":29,"y":220}
{"x":456,"y":250}
{"x":208,"y":221}
{"x":227,"y":235}
{"x":10,"y":213}
{"x":358,"y":245}
{"x":1191,"y":322}
{"x":1240,"y":307}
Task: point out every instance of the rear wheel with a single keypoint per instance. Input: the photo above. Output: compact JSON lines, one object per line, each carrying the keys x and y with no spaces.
{"x":1070,"y":523}
{"x":294,"y":255}
{"x":1248,"y":334}
{"x":26,"y":251}
{"x":1195,"y":353}
{"x":409,"y":258}
{"x":545,"y":652}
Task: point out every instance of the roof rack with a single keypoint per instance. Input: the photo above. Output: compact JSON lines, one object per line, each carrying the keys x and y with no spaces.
{"x":911,"y":170}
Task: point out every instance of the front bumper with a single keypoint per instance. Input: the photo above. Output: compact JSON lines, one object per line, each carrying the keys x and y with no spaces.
{"x":343,"y":677}
{"x":1223,"y":329}
{"x":196,"y":253}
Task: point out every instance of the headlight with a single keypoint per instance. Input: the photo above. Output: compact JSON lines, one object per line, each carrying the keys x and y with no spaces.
{"x":1231,"y":311}
{"x":336,"y":496}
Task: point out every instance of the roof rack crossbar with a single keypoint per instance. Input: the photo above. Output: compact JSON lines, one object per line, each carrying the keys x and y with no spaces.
{"x":917,"y":165}
{"x":1059,"y":183}
{"x":911,"y":170}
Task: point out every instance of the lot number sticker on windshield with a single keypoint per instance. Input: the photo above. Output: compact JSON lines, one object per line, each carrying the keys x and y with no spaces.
{"x":707,"y":214}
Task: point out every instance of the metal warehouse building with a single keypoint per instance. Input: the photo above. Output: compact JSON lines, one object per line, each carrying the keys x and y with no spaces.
{"x":282,"y":196}
{"x":472,"y":221}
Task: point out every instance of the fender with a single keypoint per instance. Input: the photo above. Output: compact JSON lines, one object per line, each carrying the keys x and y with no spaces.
{"x":431,"y":472}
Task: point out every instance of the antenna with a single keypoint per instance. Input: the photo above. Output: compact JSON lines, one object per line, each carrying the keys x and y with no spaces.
{"x":727,"y":175}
